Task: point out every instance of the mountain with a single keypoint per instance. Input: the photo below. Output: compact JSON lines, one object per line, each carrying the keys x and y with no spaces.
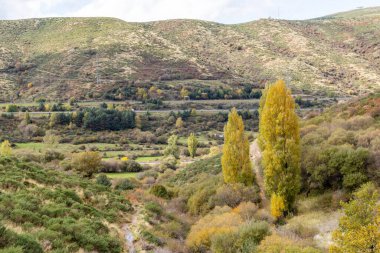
{"x":58,"y":58}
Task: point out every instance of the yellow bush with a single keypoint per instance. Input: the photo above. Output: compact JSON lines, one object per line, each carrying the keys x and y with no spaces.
{"x":211,"y":225}
{"x":277,"y":244}
{"x":124,"y":159}
{"x":5,"y":148}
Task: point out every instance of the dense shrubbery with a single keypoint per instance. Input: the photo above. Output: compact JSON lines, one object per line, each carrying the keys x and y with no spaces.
{"x":340,"y":148}
{"x":120,"y":166}
{"x":70,"y":212}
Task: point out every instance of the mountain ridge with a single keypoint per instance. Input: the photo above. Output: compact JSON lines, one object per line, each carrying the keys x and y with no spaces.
{"x":58,"y":58}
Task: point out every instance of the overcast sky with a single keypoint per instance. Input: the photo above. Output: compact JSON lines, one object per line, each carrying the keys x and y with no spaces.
{"x":224,"y":11}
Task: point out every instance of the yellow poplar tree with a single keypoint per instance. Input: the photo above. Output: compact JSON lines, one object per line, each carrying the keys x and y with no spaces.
{"x":280,"y":143}
{"x":277,"y":205}
{"x":192,"y":145}
{"x":179,"y":123}
{"x":5,"y":149}
{"x":236,"y":164}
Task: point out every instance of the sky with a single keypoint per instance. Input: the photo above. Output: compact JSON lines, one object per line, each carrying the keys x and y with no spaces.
{"x":223,"y":11}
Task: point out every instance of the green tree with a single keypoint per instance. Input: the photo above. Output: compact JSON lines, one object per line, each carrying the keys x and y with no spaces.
{"x":172,"y":148}
{"x":27,"y":119}
{"x":51,"y":139}
{"x":236,"y":164}
{"x":192,"y":145}
{"x":5,"y":148}
{"x":359,"y":228}
{"x":88,"y":162}
{"x":280,"y":143}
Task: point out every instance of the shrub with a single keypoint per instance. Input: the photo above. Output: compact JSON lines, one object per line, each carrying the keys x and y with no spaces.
{"x":11,"y":108}
{"x":130,"y":166}
{"x":125,"y":184}
{"x":245,"y":239}
{"x":102,"y":179}
{"x":246,"y":210}
{"x":199,"y":238}
{"x":154,"y":208}
{"x":87,"y":163}
{"x":277,"y":244}
{"x":160,"y":191}
{"x":51,"y":155}
{"x":232,"y":194}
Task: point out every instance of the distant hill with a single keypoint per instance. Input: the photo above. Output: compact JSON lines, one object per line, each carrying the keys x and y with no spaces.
{"x":58,"y":58}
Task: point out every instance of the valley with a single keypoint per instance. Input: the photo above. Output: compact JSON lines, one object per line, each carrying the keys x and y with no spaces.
{"x":189,"y":136}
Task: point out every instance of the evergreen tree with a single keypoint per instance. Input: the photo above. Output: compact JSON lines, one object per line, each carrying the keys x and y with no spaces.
{"x":192,"y":145}
{"x":280,"y":142}
{"x":236,"y":164}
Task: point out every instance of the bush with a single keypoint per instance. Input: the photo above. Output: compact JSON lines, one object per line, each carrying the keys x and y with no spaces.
{"x":51,"y":155}
{"x":201,"y":233}
{"x":154,"y":208}
{"x":232,"y":194}
{"x":245,"y":239}
{"x":160,"y":191}
{"x":102,"y":179}
{"x":125,"y":184}
{"x":277,"y":244}
{"x":130,"y":166}
{"x":87,"y":163}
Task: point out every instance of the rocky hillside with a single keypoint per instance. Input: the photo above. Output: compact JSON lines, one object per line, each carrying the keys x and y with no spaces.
{"x":90,"y":57}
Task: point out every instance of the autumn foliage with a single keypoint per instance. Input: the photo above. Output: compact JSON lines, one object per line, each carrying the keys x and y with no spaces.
{"x":280,"y":142}
{"x":236,"y":164}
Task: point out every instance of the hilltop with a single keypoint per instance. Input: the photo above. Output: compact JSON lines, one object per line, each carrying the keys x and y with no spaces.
{"x":91,"y":58}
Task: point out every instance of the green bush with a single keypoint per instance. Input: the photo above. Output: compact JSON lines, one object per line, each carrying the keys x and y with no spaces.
{"x":245,"y":239}
{"x":125,"y":184}
{"x":154,"y":208}
{"x":130,"y":166}
{"x":160,"y":191}
{"x":51,"y":155}
{"x":102,"y":179}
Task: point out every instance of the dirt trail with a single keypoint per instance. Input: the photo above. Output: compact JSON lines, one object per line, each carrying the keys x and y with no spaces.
{"x":132,"y":230}
{"x":255,"y":155}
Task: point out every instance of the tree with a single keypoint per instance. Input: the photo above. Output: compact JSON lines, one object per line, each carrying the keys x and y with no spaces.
{"x":184,"y":92}
{"x":236,"y":164}
{"x":88,"y":162}
{"x":280,"y":143}
{"x":27,"y":118}
{"x":6,"y":149}
{"x":138,"y":122}
{"x":358,"y":229}
{"x":277,"y":205}
{"x":51,"y":139}
{"x":192,"y":145}
{"x":179,"y":123}
{"x":172,"y":148}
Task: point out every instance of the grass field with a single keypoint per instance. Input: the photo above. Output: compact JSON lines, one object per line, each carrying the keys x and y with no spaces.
{"x":122,"y":175}
{"x":148,"y":158}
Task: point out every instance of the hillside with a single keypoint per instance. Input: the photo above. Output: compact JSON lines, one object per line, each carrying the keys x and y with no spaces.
{"x":45,"y":210}
{"x":87,"y":58}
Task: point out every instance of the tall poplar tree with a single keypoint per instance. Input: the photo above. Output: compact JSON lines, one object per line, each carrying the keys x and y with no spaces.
{"x":236,"y":164}
{"x":192,"y":145}
{"x":280,"y":143}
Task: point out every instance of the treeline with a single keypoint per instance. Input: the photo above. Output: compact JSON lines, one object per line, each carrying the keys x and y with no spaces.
{"x":96,"y":119}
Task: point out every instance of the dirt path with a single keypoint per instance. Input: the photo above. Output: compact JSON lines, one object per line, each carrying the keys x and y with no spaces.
{"x":132,"y":230}
{"x":255,"y":155}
